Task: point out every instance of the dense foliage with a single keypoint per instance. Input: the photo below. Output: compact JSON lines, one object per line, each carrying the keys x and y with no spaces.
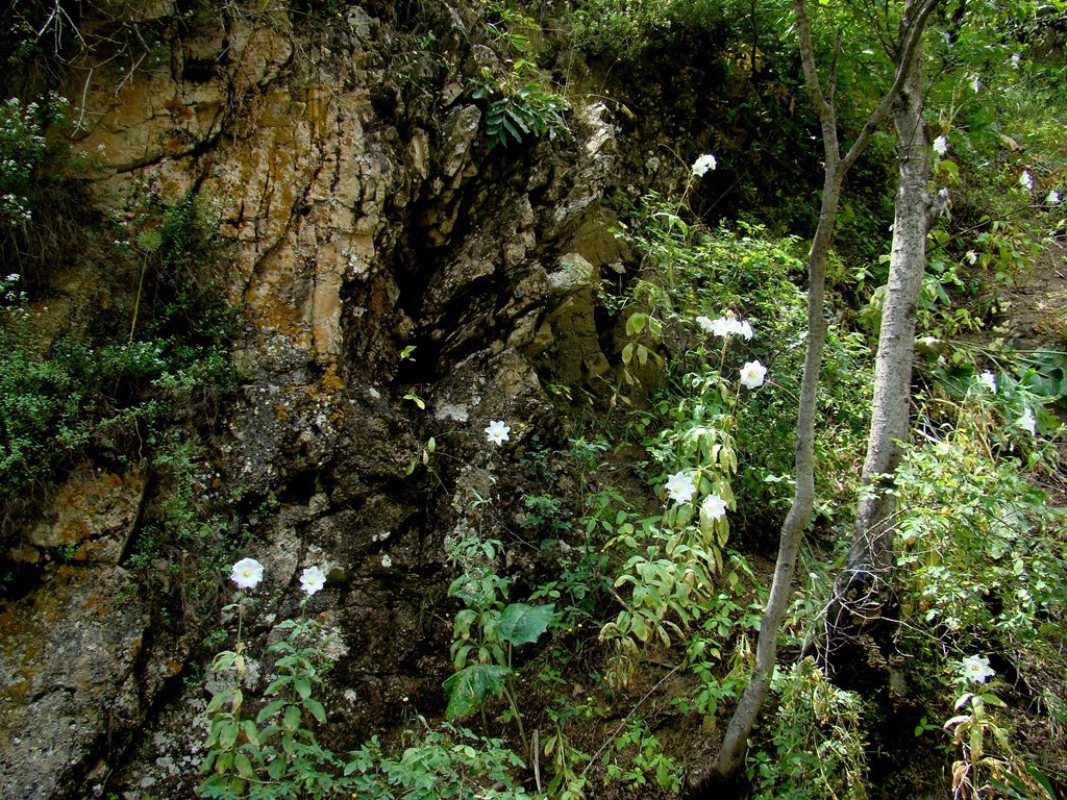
{"x":593,"y":672}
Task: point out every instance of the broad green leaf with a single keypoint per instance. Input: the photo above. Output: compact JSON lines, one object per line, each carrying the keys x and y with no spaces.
{"x":636,"y":323}
{"x":316,"y":709}
{"x":524,"y":624}
{"x":471,"y":687}
{"x":227,"y":735}
{"x":291,"y":720}
{"x":243,"y":766}
{"x":269,"y":710}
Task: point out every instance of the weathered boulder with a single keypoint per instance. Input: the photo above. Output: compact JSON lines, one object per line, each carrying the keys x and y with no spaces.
{"x":71,"y":693}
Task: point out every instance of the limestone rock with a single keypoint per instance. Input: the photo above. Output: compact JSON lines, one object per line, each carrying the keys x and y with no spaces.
{"x":66,"y":660}
{"x":92,"y":515}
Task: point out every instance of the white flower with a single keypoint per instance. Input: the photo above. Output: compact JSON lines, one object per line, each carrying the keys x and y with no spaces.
{"x":1015,"y":59}
{"x":713,"y":507}
{"x":1028,"y":422}
{"x":247,"y":573}
{"x":1026,"y":180}
{"x":497,"y":432}
{"x":727,"y":326}
{"x":680,"y":487}
{"x":1052,"y":198}
{"x":386,"y":561}
{"x":976,"y":83}
{"x":703,"y":164}
{"x":976,"y":669}
{"x":752,"y":374}
{"x":723,"y":326}
{"x":940,"y":145}
{"x":312,"y":580}
{"x":989,"y":381}
{"x":972,"y":257}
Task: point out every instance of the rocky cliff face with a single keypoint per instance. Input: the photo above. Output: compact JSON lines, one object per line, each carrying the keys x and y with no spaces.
{"x":349,"y":168}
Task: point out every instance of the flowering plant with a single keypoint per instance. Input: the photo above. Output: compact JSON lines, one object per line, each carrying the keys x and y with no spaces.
{"x":497,"y":432}
{"x":680,"y":487}
{"x":247,"y":573}
{"x":703,"y":164}
{"x":752,"y":374}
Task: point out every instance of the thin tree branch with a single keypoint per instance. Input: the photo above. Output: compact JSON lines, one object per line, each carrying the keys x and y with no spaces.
{"x":915,"y":29}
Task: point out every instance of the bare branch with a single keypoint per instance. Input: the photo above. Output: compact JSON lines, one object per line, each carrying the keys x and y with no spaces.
{"x":914,"y":30}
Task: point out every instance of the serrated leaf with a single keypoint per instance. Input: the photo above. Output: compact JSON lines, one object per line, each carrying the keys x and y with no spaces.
{"x":524,"y":624}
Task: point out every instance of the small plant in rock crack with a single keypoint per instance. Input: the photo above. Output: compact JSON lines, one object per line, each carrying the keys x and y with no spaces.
{"x":486,"y":632}
{"x":274,"y":754}
{"x":521,"y":106}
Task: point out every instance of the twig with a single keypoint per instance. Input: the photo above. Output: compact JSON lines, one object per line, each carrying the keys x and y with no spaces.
{"x":537,"y":758}
{"x":618,"y":730}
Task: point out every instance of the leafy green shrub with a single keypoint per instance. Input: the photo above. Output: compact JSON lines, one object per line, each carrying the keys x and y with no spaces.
{"x":521,"y":106}
{"x":448,"y":763}
{"x":689,"y":271}
{"x":816,"y":741}
{"x":112,"y":398}
{"x":276,"y":754}
{"x":22,"y":151}
{"x":981,"y":554}
{"x":625,"y":28}
{"x":522,"y":102}
{"x":988,"y":765}
{"x":486,"y":632}
{"x":639,"y":760}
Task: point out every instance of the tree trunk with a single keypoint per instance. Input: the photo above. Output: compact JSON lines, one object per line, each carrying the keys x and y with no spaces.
{"x":861,"y":588}
{"x":792,"y":533}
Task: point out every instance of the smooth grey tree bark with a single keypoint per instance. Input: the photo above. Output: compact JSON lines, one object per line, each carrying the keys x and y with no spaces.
{"x":892,"y":373}
{"x":791,"y":536}
{"x":860,"y":591}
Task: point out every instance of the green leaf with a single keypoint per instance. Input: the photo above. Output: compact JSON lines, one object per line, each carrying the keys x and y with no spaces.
{"x":472,"y":686}
{"x":316,"y":709}
{"x":636,"y":323}
{"x":269,"y":710}
{"x":524,"y":624}
{"x":251,"y":732}
{"x":509,"y":126}
{"x":227,"y":735}
{"x":243,"y":766}
{"x":276,"y":769}
{"x":291,"y":720}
